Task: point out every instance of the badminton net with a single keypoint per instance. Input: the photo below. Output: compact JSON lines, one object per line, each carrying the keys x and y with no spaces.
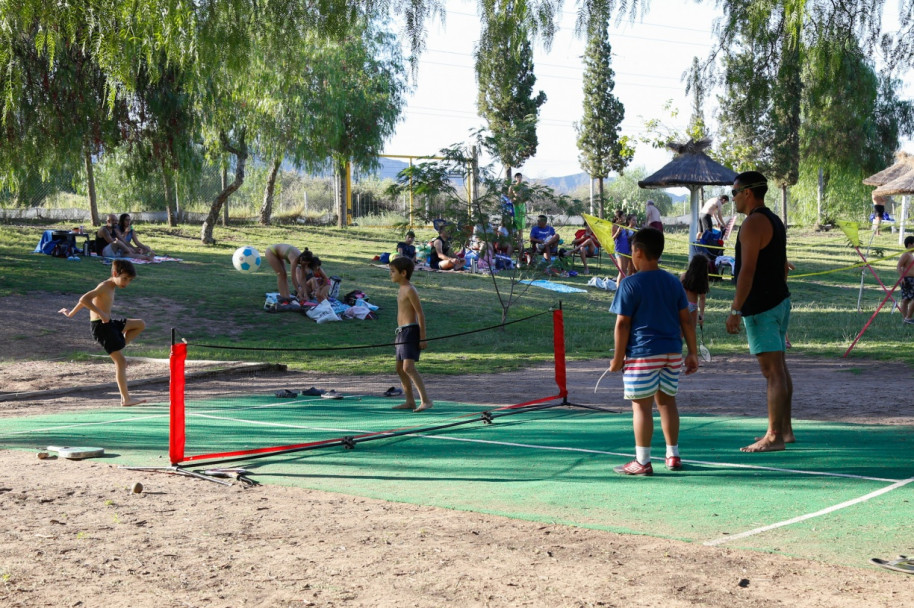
{"x":262,"y":409}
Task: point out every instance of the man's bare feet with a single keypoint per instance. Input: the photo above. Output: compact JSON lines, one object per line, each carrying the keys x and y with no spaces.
{"x":132,"y":402}
{"x":422,"y":407}
{"x":765,"y":445}
{"x":405,"y":406}
{"x":788,"y":438}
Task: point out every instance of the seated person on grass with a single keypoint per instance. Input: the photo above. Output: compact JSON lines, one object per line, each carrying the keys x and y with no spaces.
{"x":585,"y":244}
{"x":107,"y":242}
{"x":316,"y":281}
{"x":406,"y":249}
{"x":441,"y":257}
{"x":543,"y":237}
{"x":127,"y":235}
{"x":502,"y":240}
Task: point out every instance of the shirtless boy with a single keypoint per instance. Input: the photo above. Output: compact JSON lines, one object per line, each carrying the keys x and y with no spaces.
{"x":410,"y":335}
{"x":906,"y":270}
{"x":112,"y":334}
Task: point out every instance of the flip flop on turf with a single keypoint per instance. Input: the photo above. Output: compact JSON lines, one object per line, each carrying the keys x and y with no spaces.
{"x":332,"y":395}
{"x":312,"y":392}
{"x":286,"y":394}
{"x":901,"y":564}
{"x":393,"y":392}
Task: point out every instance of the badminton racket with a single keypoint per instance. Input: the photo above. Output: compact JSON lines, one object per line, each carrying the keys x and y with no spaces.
{"x":703,"y":351}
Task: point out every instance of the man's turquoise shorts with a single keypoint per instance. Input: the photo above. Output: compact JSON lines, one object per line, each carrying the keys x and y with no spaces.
{"x":767,"y":331}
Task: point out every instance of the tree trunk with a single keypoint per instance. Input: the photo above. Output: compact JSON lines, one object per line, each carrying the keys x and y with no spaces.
{"x":224,"y":186}
{"x":266,"y":209}
{"x":241,"y":154}
{"x":168,"y":180}
{"x":784,"y":203}
{"x":341,"y":196}
{"x":90,"y":183}
{"x":602,"y":206}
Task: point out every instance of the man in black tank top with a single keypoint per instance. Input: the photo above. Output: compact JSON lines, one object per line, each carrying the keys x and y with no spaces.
{"x":762,"y":300}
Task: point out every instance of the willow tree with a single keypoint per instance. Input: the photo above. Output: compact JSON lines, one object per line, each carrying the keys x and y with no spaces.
{"x":365,"y":94}
{"x":602,"y":148}
{"x":504,"y":74}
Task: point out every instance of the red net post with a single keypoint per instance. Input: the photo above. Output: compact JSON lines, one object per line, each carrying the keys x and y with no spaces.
{"x":176,"y":397}
{"x":558,"y":340}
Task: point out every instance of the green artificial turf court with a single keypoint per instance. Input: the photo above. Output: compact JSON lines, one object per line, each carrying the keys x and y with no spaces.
{"x":842,"y":494}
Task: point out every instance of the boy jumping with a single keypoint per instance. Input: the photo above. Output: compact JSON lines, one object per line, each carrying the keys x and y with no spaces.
{"x":653,"y":315}
{"x":410,"y":335}
{"x":112,"y":334}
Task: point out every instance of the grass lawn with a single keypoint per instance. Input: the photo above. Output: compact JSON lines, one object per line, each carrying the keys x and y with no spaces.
{"x":824,"y":321}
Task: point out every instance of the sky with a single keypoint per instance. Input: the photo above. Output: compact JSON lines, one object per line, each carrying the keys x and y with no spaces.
{"x":650,"y":57}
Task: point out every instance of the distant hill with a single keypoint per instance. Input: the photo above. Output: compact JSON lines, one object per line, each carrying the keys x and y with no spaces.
{"x":567,"y":183}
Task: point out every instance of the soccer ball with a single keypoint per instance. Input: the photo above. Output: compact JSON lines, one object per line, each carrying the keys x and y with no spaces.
{"x":246,"y":259}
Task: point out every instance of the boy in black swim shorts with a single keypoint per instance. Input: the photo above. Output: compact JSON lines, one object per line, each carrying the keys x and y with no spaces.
{"x":112,"y":334}
{"x":410,"y":335}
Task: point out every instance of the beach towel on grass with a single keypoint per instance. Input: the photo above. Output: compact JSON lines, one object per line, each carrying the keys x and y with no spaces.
{"x":552,"y":286}
{"x":158,"y":260}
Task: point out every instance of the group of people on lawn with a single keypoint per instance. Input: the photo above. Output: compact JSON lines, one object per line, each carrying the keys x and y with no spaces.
{"x":118,"y":239}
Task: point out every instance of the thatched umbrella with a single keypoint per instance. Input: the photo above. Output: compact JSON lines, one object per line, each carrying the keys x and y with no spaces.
{"x":901,"y":182}
{"x":902,"y":165}
{"x":690,"y":168}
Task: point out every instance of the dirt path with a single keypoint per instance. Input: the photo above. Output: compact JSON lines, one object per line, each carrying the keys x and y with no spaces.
{"x":74,"y":534}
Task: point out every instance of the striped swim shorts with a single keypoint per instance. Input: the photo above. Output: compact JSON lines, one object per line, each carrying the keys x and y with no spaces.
{"x":642,"y":378}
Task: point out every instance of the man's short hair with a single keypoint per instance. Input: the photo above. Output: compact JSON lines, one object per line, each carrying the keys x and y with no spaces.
{"x":909,"y":242}
{"x":755,"y":181}
{"x":123,"y":268}
{"x":542,"y":218}
{"x":650,"y":242}
{"x":410,"y":233}
{"x":518,"y":174}
{"x":403,"y":264}
{"x":725,"y":198}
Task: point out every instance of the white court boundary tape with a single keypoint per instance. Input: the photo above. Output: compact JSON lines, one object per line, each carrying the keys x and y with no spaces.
{"x":826,"y":511}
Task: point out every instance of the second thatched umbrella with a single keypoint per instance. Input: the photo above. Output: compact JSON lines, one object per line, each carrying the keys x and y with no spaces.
{"x":690,"y":168}
{"x":902,"y":182}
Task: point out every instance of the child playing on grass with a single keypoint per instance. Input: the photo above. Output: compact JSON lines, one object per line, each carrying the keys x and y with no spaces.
{"x":653,"y":314}
{"x":410,"y":335}
{"x":112,"y":334}
{"x":695,"y":282}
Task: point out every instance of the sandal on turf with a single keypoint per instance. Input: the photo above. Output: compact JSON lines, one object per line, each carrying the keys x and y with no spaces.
{"x":902,"y":564}
{"x":332,"y":395}
{"x":286,"y":394}
{"x":393,"y":391}
{"x":312,"y":392}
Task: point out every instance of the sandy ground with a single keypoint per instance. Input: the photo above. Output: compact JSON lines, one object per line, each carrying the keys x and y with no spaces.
{"x":74,"y":533}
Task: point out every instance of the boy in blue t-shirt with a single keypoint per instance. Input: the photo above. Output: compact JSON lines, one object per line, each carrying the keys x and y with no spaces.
{"x":653,"y":315}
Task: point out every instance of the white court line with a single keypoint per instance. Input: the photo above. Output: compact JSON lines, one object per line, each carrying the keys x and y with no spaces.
{"x":826,"y":511}
{"x":555,"y":448}
{"x":77,"y":425}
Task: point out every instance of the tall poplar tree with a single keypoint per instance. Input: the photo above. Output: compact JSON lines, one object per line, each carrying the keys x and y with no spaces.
{"x":602,"y":148}
{"x":504,"y":73}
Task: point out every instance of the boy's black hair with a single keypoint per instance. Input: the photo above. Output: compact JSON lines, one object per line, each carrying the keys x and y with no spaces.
{"x":909,"y":242}
{"x":755,"y":181}
{"x":650,"y":242}
{"x":542,"y":217}
{"x":403,"y":264}
{"x":123,"y":268}
{"x":315,"y":262}
{"x":410,"y":233}
{"x":695,"y":278}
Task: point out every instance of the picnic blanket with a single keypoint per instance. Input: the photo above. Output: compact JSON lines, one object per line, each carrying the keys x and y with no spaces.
{"x":158,"y":260}
{"x":553,"y":286}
